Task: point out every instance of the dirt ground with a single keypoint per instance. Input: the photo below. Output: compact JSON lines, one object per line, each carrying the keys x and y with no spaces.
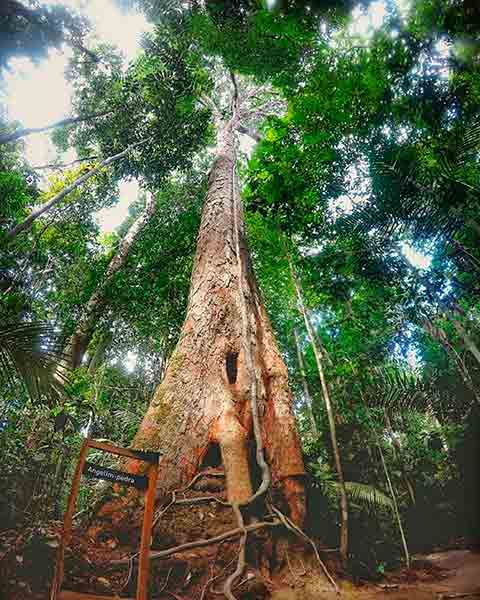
{"x":450,"y":575}
{"x":25,"y":568}
{"x":455,"y":574}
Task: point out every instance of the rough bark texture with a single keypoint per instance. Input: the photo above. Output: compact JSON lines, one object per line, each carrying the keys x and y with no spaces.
{"x":202,"y":410}
{"x":78,"y":344}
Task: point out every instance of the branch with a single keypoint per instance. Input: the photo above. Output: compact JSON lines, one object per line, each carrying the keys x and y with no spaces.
{"x":19,"y":133}
{"x":199,"y":543}
{"x":65,"y":165}
{"x":209,"y":103}
{"x":27,"y":223}
{"x":235,"y":102}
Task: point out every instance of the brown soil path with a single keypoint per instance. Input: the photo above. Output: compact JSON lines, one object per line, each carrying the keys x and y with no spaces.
{"x":458,"y":577}
{"x":451,"y":575}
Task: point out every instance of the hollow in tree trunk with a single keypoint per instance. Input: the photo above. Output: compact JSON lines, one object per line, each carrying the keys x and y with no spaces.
{"x":205,"y":401}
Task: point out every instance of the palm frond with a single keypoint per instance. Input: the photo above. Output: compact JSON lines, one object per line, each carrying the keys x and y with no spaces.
{"x":31,"y":352}
{"x":364,"y":493}
{"x":394,"y":387}
{"x":417,"y":197}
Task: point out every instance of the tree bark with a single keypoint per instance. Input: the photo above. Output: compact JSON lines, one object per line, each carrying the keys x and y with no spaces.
{"x":465,"y":337}
{"x":217,"y":380}
{"x":330,"y":414}
{"x":79,"y":341}
{"x":35,"y":214}
{"x":438,"y":334}
{"x":306,"y":389}
{"x":395,"y":508}
{"x":19,"y":133}
{"x":397,"y":448}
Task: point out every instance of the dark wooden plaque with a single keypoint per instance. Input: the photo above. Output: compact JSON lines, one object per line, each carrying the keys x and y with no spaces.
{"x":114,"y":476}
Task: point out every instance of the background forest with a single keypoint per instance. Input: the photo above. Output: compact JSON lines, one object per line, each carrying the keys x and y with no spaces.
{"x":358,"y":163}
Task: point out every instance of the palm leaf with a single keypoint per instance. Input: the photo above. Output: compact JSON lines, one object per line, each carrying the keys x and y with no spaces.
{"x":394,"y":387}
{"x":423,"y":203}
{"x":31,"y":352}
{"x":364,"y":493}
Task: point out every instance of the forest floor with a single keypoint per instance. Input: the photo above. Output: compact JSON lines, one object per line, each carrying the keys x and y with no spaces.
{"x":439,"y":576}
{"x":445,"y":575}
{"x":27,"y":557}
{"x":448,"y":575}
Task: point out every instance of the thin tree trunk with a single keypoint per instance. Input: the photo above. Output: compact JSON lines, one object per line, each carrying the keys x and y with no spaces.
{"x":78,"y":343}
{"x":222,"y":391}
{"x":306,"y":390}
{"x":330,"y":414}
{"x":395,"y":507}
{"x":19,"y":133}
{"x":432,"y":413}
{"x":439,"y":335}
{"x":397,"y":448}
{"x":35,"y":214}
{"x":467,"y":340}
{"x":97,"y":359}
{"x":450,"y":315}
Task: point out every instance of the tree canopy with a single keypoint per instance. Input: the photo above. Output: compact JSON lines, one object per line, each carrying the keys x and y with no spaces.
{"x":358,"y":160}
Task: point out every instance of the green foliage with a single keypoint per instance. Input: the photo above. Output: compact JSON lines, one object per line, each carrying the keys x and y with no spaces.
{"x":151,"y":102}
{"x":367,"y":494}
{"x":30,"y":353}
{"x":31,"y":30}
{"x":14,"y":194}
{"x":367,"y":144}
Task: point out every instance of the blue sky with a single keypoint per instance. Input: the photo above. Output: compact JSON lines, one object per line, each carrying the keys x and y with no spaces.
{"x":38,"y":94}
{"x":46,"y":84}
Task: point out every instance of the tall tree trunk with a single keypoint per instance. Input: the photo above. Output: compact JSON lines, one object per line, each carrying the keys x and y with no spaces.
{"x":306,"y":389}
{"x":330,"y":414}
{"x":226,"y":373}
{"x":79,"y":341}
{"x":35,"y":214}
{"x":19,"y":133}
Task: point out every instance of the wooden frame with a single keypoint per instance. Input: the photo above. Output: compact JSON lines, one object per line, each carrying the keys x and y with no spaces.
{"x":144,"y":554}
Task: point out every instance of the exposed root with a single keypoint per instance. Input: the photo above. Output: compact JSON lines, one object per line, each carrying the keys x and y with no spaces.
{"x":166,"y":580}
{"x":199,"y":543}
{"x":129,"y":574}
{"x":227,"y":588}
{"x":300,"y":533}
{"x":202,"y":499}
{"x":212,"y":579}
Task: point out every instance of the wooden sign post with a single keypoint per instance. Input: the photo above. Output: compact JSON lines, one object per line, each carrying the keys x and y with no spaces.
{"x":146,"y":482}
